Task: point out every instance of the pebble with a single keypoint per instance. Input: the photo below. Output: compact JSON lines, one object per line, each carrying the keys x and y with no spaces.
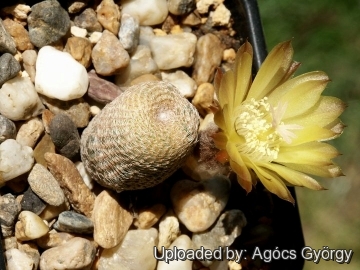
{"x":150,"y":13}
{"x":192,"y":19}
{"x":31,"y":202}
{"x":51,"y":211}
{"x":31,"y":251}
{"x":146,"y":35}
{"x":64,"y":135}
{"x":126,"y":255}
{"x":220,"y":16}
{"x":7,"y":44}
{"x":9,"y":209}
{"x":179,"y":48}
{"x":47,"y":23}
{"x":198,"y":204}
{"x":182,"y":242}
{"x":7,"y":129}
{"x":129,"y":32}
{"x":144,"y":78}
{"x":16,"y":159}
{"x":80,"y":50}
{"x":108,"y":14}
{"x":53,"y":239}
{"x":30,"y":226}
{"x":77,"y":6}
{"x":118,"y":220}
{"x":84,"y":174}
{"x":46,"y":118}
{"x":69,"y":178}
{"x":44,"y":145}
{"x":141,"y":63}
{"x":9,"y":67}
{"x":102,"y":90}
{"x":43,"y":183}
{"x":29,"y":62}
{"x":65,"y":81}
{"x":20,"y":35}
{"x":95,"y":37}
{"x":202,"y":6}
{"x":77,"y":253}
{"x":78,"y":110}
{"x":150,"y":216}
{"x":169,"y":230}
{"x":88,"y":20}
{"x":78,"y":31}
{"x":222,"y":234}
{"x":181,"y":7}
{"x":204,"y":98}
{"x":29,"y":132}
{"x":18,"y":260}
{"x":71,"y":222}
{"x":19,"y":11}
{"x":108,"y":55}
{"x":229,"y":55}
{"x":183,"y":82}
{"x":208,"y":57}
{"x":10,"y":242}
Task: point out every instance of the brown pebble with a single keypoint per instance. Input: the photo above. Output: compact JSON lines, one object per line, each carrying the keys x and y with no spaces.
{"x":44,"y":145}
{"x":150,"y":216}
{"x":53,"y":239}
{"x":19,"y":34}
{"x":47,"y":116}
{"x":70,"y":180}
{"x":144,"y":78}
{"x":108,"y":14}
{"x":80,"y":50}
{"x":204,"y":98}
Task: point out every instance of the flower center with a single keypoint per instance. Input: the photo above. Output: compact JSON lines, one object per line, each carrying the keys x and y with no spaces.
{"x":260,"y":125}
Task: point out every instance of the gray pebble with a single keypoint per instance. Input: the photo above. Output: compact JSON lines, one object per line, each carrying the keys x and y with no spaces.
{"x":9,"y":210}
{"x":31,"y":202}
{"x":181,"y":7}
{"x":47,"y":22}
{"x":7,"y":44}
{"x":88,"y":20}
{"x":7,"y":129}
{"x":129,"y":32}
{"x":9,"y":67}
{"x":43,"y":183}
{"x":73,"y":222}
{"x":64,"y":135}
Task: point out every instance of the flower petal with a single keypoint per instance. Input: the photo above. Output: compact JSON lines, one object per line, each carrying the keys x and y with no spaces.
{"x":219,"y":120}
{"x":226,"y":90}
{"x":329,"y":171}
{"x":275,"y":67}
{"x":220,"y":140}
{"x":311,"y":133}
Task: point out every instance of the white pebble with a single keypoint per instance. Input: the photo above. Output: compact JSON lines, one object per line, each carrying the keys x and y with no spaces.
{"x":95,"y":37}
{"x":221,"y":15}
{"x":202,"y":6}
{"x":94,"y":110}
{"x":146,"y":35}
{"x":18,"y":260}
{"x":30,"y":226}
{"x":182,"y":81}
{"x":78,"y":32}
{"x":84,"y":174}
{"x":30,"y":132}
{"x":151,"y":12}
{"x":19,"y":100}
{"x":173,"y":51}
{"x":59,"y":75}
{"x":15,"y":160}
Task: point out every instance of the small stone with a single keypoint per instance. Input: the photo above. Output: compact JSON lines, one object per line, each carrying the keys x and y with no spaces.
{"x":65,"y":135}
{"x":202,"y":6}
{"x":118,"y":220}
{"x":146,"y":35}
{"x":65,"y":80}
{"x":150,"y":13}
{"x":71,"y":222}
{"x":102,"y":90}
{"x":7,"y":44}
{"x":77,"y":6}
{"x":78,"y":32}
{"x":181,"y":7}
{"x":30,"y":226}
{"x":95,"y":37}
{"x":179,"y":48}
{"x":204,"y":98}
{"x":88,"y":20}
{"x":108,"y":14}
{"x":220,"y":16}
{"x":50,"y":212}
{"x":77,"y":253}
{"x":192,"y":19}
{"x":29,"y":62}
{"x":75,"y":190}
{"x":10,"y":242}
{"x":182,"y":242}
{"x":31,"y":202}
{"x":19,"y":100}
{"x":169,"y":23}
{"x":129,"y":32}
{"x":186,"y":85}
{"x":222,"y":234}
{"x":208,"y":57}
{"x":78,"y":110}
{"x":9,"y":209}
{"x":44,"y":145}
{"x":20,"y":35}
{"x":18,"y":260}
{"x":126,"y":255}
{"x":19,"y":11}
{"x":150,"y":216}
{"x":94,"y":110}
{"x":141,"y":63}
{"x":31,"y":251}
{"x":169,"y":230}
{"x":229,"y":55}
{"x":144,"y":78}
{"x":198,"y":204}
{"x":84,"y":174}
{"x":47,"y":22}
{"x":29,"y":132}
{"x":53,"y":239}
{"x":43,"y":183}
{"x":7,"y":129}
{"x":46,"y":118}
{"x":108,"y":55}
{"x":16,"y":159}
{"x":9,"y":67}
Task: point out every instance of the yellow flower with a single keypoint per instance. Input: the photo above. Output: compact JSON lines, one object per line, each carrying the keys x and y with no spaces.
{"x":276,"y":125}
